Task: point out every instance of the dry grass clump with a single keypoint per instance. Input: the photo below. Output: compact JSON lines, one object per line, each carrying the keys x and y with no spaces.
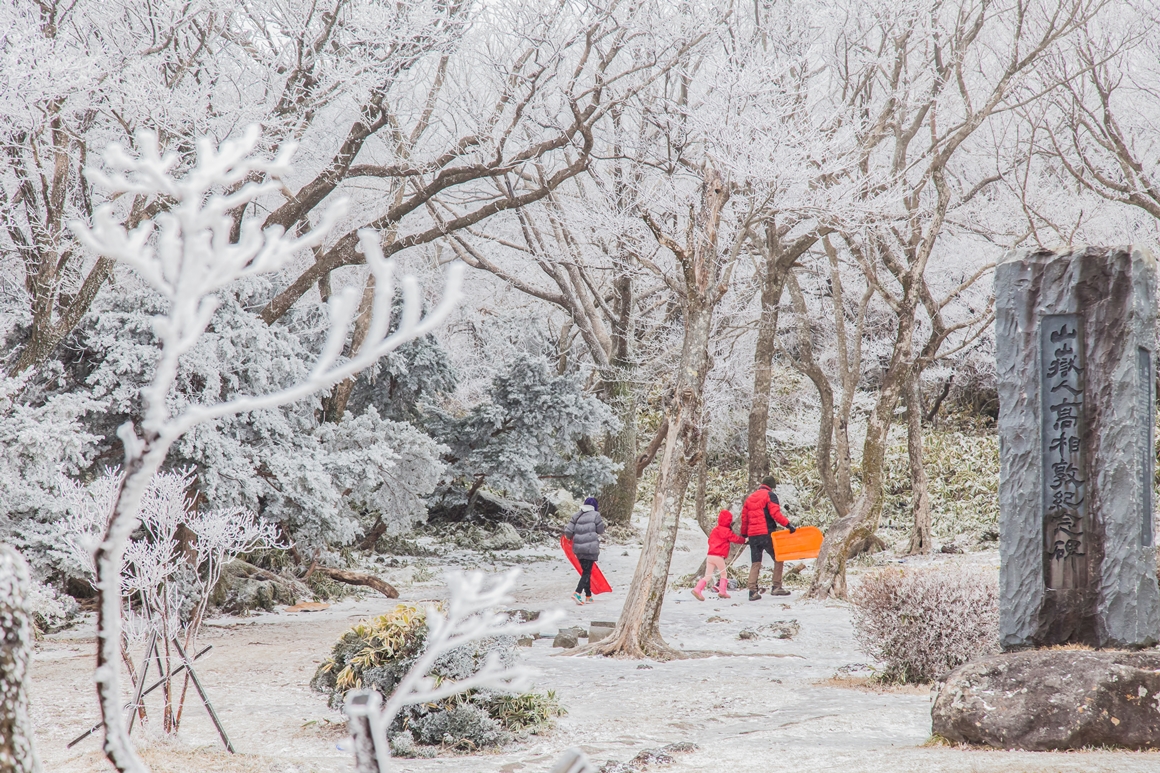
{"x":921,"y":623}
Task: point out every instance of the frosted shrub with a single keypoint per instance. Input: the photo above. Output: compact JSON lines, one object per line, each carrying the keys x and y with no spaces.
{"x":920,"y":623}
{"x":50,"y":609}
{"x":171,"y":566}
{"x":380,"y":653}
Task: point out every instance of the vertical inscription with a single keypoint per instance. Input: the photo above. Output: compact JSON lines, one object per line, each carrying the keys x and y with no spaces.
{"x":1147,"y":447}
{"x":1064,"y":470}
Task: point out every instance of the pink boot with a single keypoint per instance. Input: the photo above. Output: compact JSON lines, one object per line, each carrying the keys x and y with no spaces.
{"x":723,"y":588}
{"x":700,"y":587}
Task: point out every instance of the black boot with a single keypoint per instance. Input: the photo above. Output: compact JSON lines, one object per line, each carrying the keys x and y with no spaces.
{"x":754,"y":596}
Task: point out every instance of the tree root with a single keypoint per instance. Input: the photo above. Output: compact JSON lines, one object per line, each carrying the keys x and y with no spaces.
{"x":617,"y":646}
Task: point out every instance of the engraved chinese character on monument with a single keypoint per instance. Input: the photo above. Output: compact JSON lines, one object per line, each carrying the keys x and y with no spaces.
{"x":1147,"y":441}
{"x":1064,"y":503}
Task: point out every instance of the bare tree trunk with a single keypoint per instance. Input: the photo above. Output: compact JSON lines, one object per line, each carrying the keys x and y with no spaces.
{"x":619,"y":497}
{"x":859,"y":525}
{"x":778,"y":262}
{"x":334,"y":405}
{"x":637,"y":632}
{"x":108,"y":560}
{"x":17,"y":750}
{"x":836,"y":486}
{"x":763,"y":374}
{"x":920,"y":540}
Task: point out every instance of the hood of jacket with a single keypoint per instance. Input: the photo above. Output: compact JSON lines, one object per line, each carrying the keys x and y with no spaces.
{"x":725,"y":518}
{"x":586,"y":508}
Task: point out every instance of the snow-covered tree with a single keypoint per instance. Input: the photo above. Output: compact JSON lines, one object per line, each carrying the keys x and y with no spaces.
{"x":529,"y":428}
{"x":17,"y":748}
{"x":189,"y":259}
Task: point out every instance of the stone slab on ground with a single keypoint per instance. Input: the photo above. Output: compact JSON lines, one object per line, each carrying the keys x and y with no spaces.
{"x":1053,"y":700}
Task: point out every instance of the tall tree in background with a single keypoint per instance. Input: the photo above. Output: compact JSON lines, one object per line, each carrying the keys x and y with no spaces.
{"x":704,"y":272}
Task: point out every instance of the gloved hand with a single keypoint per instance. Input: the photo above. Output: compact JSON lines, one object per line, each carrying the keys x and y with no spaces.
{"x":791,"y":528}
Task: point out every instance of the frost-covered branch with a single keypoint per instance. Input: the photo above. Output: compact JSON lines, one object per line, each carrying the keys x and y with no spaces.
{"x":17,"y":752}
{"x":473,"y":613}
{"x":188,"y":255}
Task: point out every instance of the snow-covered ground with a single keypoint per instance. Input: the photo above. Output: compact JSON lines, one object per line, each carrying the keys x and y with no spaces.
{"x":756,"y":705}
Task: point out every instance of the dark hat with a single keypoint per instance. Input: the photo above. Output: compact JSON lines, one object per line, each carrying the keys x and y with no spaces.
{"x":770,"y":481}
{"x":592,"y":501}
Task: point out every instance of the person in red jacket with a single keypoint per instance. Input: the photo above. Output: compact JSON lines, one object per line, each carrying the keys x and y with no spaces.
{"x":760,"y":515}
{"x":719,"y":540}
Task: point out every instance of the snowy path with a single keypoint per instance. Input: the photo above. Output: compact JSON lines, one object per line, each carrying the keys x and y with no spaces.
{"x":766,"y":706}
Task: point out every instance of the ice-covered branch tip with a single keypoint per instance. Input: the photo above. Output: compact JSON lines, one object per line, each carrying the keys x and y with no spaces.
{"x":472,"y":614}
{"x":329,"y":368}
{"x":193,"y":255}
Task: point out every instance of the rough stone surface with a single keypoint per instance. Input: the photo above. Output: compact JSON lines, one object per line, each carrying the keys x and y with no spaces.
{"x":244,"y":588}
{"x":566,"y":638}
{"x":505,"y":538}
{"x":524,"y":615}
{"x":649,"y":758}
{"x":1057,"y":699}
{"x":781,"y":629}
{"x":1112,"y":294}
{"x":598,"y":631}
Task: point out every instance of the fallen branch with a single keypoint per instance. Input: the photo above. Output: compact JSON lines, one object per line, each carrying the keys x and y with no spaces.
{"x":356,"y":578}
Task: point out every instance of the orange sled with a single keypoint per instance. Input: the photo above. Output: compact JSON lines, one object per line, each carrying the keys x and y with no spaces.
{"x":599,"y":584}
{"x":804,"y":543}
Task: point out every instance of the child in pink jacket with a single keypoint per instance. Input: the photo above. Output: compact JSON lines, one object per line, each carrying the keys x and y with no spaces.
{"x":719,"y":540}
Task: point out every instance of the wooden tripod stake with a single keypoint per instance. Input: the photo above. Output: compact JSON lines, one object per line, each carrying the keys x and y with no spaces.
{"x":142,"y":691}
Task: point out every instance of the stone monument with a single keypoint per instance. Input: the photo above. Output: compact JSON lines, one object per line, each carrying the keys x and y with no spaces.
{"x":1075,"y":337}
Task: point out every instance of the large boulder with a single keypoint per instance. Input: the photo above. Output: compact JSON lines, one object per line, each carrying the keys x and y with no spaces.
{"x":1043,"y":700}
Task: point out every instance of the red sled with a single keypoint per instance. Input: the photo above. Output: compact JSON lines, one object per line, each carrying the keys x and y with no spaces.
{"x":599,"y":584}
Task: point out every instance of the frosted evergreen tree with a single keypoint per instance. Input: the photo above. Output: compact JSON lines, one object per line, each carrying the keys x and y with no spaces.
{"x":532,"y":427}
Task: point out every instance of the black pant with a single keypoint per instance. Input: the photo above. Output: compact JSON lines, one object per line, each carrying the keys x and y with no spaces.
{"x":585,"y":585}
{"x":758,"y":544}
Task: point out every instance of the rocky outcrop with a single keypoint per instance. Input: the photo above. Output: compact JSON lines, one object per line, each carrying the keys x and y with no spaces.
{"x":244,"y":588}
{"x":568,"y":638}
{"x":1045,"y":700}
